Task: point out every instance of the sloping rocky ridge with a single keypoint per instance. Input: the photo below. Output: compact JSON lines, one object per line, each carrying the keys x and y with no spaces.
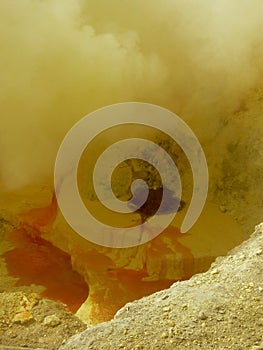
{"x":219,"y":309}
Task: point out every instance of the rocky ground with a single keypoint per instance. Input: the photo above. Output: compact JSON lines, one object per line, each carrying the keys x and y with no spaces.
{"x":27,"y":320}
{"x":219,"y":309}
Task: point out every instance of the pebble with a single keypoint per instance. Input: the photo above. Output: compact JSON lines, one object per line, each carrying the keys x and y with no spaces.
{"x":166,"y":309}
{"x":164,"y":335}
{"x":258,"y":251}
{"x":202,"y":315}
{"x":22,"y":317}
{"x":171,"y":331}
{"x":51,"y":321}
{"x":222,"y":311}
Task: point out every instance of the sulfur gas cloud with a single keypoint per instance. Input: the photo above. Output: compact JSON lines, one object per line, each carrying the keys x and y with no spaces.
{"x":61,"y":59}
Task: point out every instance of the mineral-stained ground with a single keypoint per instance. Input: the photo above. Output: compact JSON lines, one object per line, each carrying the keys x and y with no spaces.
{"x":218,"y":309}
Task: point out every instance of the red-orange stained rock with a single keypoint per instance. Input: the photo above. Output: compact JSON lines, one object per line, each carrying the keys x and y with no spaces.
{"x":119,"y":285}
{"x":36,"y":261}
{"x":159,"y":248}
{"x":38,"y":218}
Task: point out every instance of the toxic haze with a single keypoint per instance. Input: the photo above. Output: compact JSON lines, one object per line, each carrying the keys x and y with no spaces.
{"x":61,"y":59}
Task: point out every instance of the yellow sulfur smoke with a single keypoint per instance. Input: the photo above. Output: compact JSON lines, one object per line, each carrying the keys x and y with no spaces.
{"x":61,"y":59}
